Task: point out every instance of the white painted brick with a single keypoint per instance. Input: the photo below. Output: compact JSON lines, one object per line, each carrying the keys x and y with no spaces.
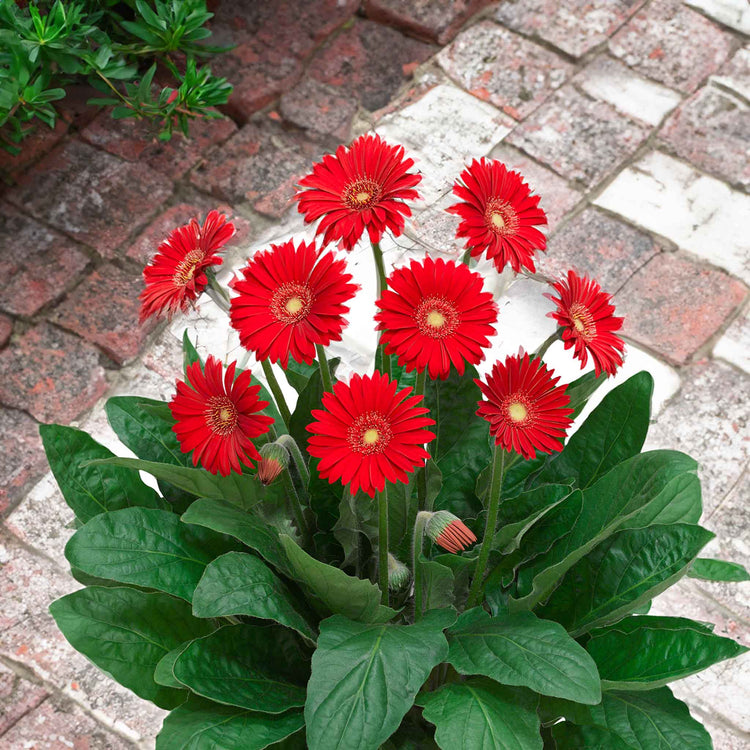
{"x":732,"y":13}
{"x":698,"y":213}
{"x":734,"y":345}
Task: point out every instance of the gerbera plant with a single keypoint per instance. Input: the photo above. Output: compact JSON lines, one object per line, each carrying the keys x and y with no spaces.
{"x":417,"y":556}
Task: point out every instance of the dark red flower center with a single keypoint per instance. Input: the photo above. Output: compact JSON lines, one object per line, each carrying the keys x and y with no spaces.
{"x":221,"y":415}
{"x":370,"y":433}
{"x":185,"y":271}
{"x":582,"y":321}
{"x":361,"y":194}
{"x":437,"y":317}
{"x":501,"y":217}
{"x":291,"y":302}
{"x":518,"y":410}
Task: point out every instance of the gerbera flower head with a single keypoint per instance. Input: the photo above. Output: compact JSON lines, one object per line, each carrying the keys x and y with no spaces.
{"x":585,"y":313}
{"x":499,"y":215}
{"x":361,"y":187}
{"x":398,"y":574}
{"x":217,"y":417}
{"x":434,"y":313}
{"x":368,"y":433}
{"x":449,"y":531}
{"x":274,"y":458}
{"x":527,"y":411}
{"x":290,"y":299}
{"x":176,"y":275}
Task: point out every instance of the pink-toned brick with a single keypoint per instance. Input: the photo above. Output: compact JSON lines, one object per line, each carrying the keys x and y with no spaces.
{"x":672,"y":44}
{"x":503,"y":68}
{"x":574,"y":26}
{"x":39,"y":141}
{"x":260,"y":165}
{"x":90,"y":195}
{"x":137,"y":140}
{"x":674,"y":306}
{"x":581,"y":139}
{"x":6,"y":328}
{"x":434,"y":20}
{"x":320,"y":108}
{"x":104,"y":310}
{"x":22,"y":459}
{"x":51,"y":374}
{"x":18,"y":696}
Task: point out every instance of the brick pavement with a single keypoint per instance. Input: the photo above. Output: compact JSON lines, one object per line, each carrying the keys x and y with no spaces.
{"x":629,"y":117}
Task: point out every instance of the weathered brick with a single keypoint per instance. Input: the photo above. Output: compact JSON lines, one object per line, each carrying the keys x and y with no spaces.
{"x":606,"y":249}
{"x":75,"y":108}
{"x":580,"y":139}
{"x":40,"y":140}
{"x":50,"y":373}
{"x":434,"y":20}
{"x":6,"y":328}
{"x":104,"y":310}
{"x":90,"y":195}
{"x":18,"y":696}
{"x":732,"y":13}
{"x":503,"y":68}
{"x":318,"y":107}
{"x":711,"y":131}
{"x":672,"y":44}
{"x":735,"y":75}
{"x":164,"y":356}
{"x":575,"y":26}
{"x":734,"y":345}
{"x":656,"y":313}
{"x":137,"y":141}
{"x":260,"y":164}
{"x":22,"y":460}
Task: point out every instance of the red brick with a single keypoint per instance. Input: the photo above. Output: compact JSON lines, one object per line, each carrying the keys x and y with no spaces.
{"x":260,"y":164}
{"x":39,"y":141}
{"x":674,"y":306}
{"x":145,"y":245}
{"x":22,"y":459}
{"x":90,"y":195}
{"x":434,"y":20}
{"x":503,"y":68}
{"x":74,"y":108}
{"x":6,"y":328}
{"x":320,"y":108}
{"x":581,"y":139}
{"x":711,"y":131}
{"x":137,"y":140}
{"x":18,"y":696}
{"x":596,"y":244}
{"x":672,"y":44}
{"x":51,"y":374}
{"x":104,"y":310}
{"x":558,"y":198}
{"x":574,"y":26}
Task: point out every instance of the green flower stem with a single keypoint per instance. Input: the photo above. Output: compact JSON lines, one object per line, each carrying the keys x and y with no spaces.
{"x":384,"y":358}
{"x":417,"y":544}
{"x":421,"y":475}
{"x":278,"y":396}
{"x":325,"y":370}
{"x":542,"y":350}
{"x":291,"y":445}
{"x":466,"y":258}
{"x":383,"y":544}
{"x":294,"y":501}
{"x":217,"y":292}
{"x":498,"y":470}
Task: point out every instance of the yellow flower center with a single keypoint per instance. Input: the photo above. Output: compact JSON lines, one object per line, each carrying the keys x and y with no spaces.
{"x":362,"y":197}
{"x":435,"y":319}
{"x":294,"y":305}
{"x":186,"y":269}
{"x":221,"y":415}
{"x":517,"y":411}
{"x":497,"y":220}
{"x":578,"y":324}
{"x":370,"y":437}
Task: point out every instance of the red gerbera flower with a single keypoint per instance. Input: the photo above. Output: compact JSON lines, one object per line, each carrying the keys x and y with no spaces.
{"x":364,"y":186}
{"x":435,"y":313}
{"x":216,"y":419}
{"x":526,"y":410}
{"x":368,"y":434}
{"x":585,"y":313}
{"x":499,"y":214}
{"x":291,"y":298}
{"x":176,"y":275}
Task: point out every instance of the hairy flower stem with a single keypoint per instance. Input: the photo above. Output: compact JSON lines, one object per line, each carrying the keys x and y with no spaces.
{"x":377,"y":254}
{"x":422,"y":475}
{"x":542,"y":350}
{"x":291,"y":445}
{"x":217,"y":292}
{"x":417,"y":544}
{"x":325,"y":370}
{"x":498,"y":470}
{"x":383,"y":544}
{"x":278,"y":396}
{"x":466,"y":258}
{"x":294,"y":501}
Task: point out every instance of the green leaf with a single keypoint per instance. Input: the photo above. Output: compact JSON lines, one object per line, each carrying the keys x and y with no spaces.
{"x":226,"y":518}
{"x":524,"y":651}
{"x":645,"y":652}
{"x":91,"y":490}
{"x":298,"y":374}
{"x":145,"y":547}
{"x":568,"y":736}
{"x":126,"y":633}
{"x":437,"y":585}
{"x":365,"y":677}
{"x":708,"y":569}
{"x":682,"y":504}
{"x":200,"y":724}
{"x":341,"y":593}
{"x":582,"y":388}
{"x":481,"y":715}
{"x":189,"y":353}
{"x":163,"y":674}
{"x":622,"y":573}
{"x":252,"y":667}
{"x":309,"y":399}
{"x":241,"y":584}
{"x":461,"y":448}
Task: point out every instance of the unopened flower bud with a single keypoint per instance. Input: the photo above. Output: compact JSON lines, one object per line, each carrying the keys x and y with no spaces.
{"x":172,"y":96}
{"x":398,"y":573}
{"x":274,"y":458}
{"x":449,"y":531}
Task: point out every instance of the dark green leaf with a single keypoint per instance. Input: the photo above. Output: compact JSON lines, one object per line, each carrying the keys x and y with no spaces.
{"x":189,"y":352}
{"x":126,"y":633}
{"x":91,"y":490}
{"x":682,"y":504}
{"x":481,"y":715}
{"x":718,"y":570}
{"x":437,"y":585}
{"x":525,"y":651}
{"x":163,"y":674}
{"x":582,"y":388}
{"x":252,"y":667}
{"x":298,"y":374}
{"x":365,"y":677}
{"x":568,"y":736}
{"x":309,"y":399}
